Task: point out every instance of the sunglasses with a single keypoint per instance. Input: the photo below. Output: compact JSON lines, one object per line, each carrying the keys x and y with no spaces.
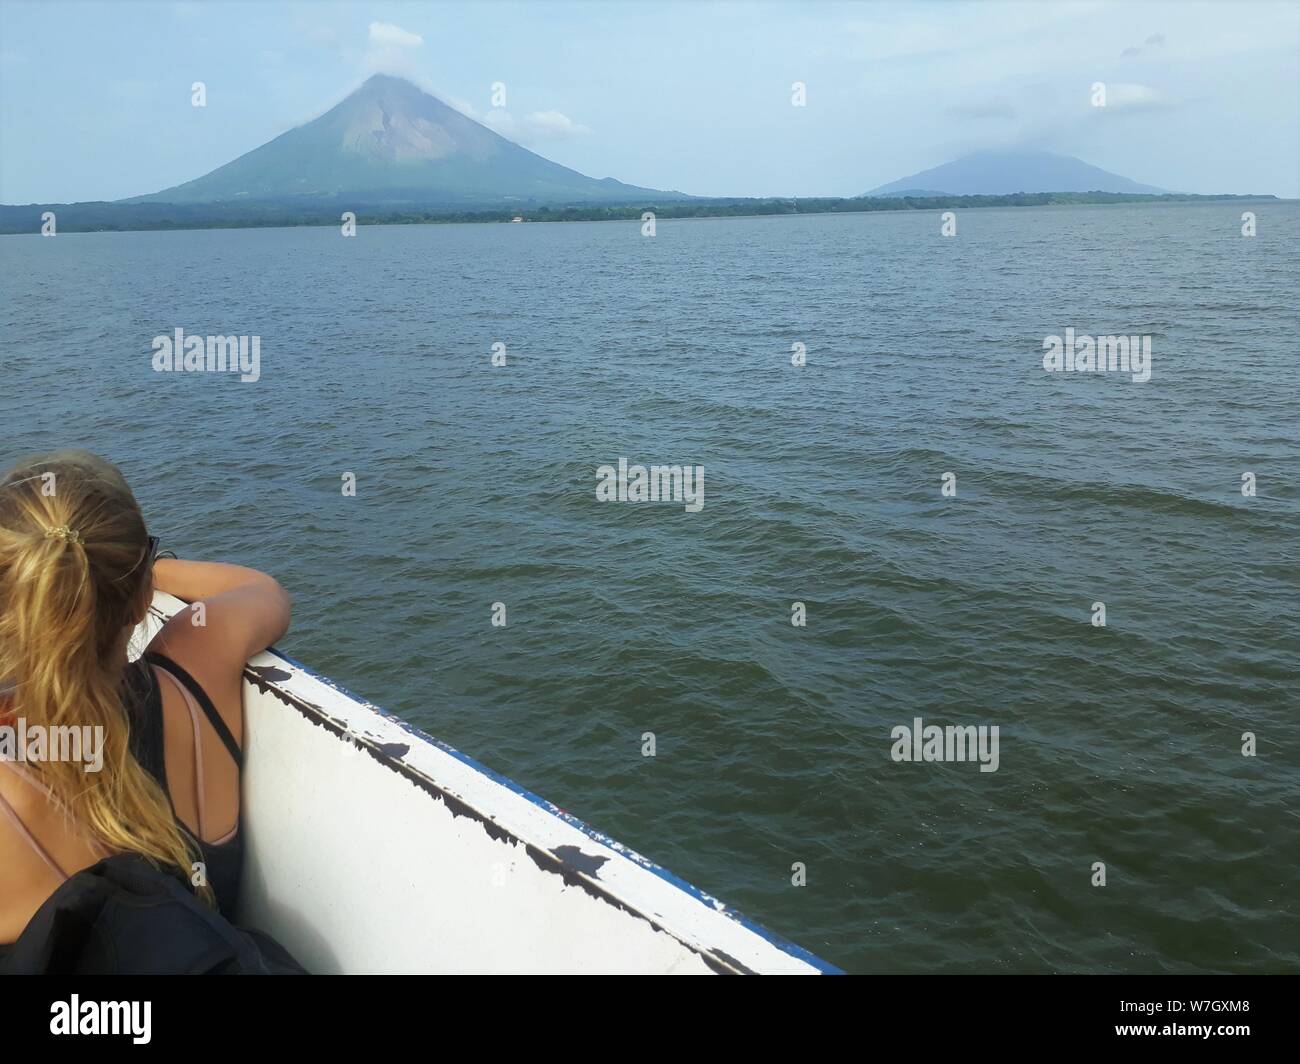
{"x":147,"y":558}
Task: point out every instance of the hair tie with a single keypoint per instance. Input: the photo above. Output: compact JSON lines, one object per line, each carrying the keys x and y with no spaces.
{"x":63,"y":532}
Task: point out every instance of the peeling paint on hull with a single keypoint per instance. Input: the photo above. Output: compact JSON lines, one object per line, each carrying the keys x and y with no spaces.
{"x":410,"y":858}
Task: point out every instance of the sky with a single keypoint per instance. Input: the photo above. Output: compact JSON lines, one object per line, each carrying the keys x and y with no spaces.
{"x":95,"y":98}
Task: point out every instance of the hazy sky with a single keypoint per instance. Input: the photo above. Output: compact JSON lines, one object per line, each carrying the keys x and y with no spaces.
{"x":95,"y":97}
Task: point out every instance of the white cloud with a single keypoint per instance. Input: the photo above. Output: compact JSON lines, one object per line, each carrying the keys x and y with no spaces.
{"x":1134,"y":97}
{"x":393,"y":50}
{"x":534,"y":128}
{"x":386,"y":34}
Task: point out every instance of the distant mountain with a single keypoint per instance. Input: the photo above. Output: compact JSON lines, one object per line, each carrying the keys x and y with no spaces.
{"x":390,"y":143}
{"x":1005,"y":173}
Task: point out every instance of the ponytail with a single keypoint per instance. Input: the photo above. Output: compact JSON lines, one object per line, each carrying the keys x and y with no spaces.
{"x":72,"y":585}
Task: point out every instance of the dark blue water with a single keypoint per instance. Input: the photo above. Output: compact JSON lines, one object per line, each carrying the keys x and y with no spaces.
{"x":476,"y":485}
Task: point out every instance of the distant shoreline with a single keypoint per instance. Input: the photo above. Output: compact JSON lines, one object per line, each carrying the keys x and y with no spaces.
{"x":109,"y":217}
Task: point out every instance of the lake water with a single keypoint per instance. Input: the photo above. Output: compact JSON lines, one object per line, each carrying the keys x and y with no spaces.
{"x":823,"y":485}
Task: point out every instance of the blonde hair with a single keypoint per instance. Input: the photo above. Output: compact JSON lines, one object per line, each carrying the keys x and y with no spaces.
{"x":73,"y":580}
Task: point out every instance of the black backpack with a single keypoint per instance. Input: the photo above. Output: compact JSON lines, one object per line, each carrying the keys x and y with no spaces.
{"x":124,"y":916}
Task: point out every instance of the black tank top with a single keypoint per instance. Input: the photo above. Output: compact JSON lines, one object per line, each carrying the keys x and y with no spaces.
{"x":223,"y":863}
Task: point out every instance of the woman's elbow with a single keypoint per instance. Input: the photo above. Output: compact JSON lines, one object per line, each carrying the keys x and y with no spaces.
{"x":283,"y":605}
{"x":276,"y":606}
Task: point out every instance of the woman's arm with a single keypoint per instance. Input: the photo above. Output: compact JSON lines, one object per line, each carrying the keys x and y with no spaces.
{"x":243,"y":611}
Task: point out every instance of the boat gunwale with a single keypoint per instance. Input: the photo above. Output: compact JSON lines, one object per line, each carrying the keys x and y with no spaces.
{"x":716,"y":959}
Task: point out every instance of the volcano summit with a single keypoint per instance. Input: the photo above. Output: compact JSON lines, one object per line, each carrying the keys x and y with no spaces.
{"x":392,"y":144}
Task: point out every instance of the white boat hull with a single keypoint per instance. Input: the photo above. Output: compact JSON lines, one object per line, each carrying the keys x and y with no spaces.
{"x":371,"y":847}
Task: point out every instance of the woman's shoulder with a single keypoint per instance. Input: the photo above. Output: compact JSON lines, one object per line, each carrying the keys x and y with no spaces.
{"x":212,"y":681}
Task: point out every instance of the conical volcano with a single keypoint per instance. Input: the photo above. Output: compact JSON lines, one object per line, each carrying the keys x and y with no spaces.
{"x":390,"y":143}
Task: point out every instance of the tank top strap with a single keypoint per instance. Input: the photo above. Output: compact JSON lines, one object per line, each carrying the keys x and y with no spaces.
{"x":197,"y":698}
{"x":11,"y":814}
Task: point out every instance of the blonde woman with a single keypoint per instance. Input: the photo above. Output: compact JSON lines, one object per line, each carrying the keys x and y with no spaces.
{"x":77,"y":572}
